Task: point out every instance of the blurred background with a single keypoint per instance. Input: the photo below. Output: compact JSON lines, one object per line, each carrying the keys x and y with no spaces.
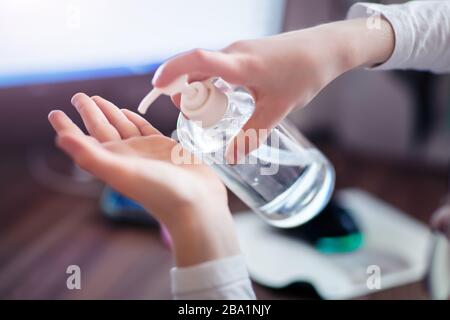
{"x":387,"y":133}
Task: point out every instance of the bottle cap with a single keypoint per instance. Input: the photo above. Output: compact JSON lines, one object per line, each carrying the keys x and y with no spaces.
{"x":201,"y":102}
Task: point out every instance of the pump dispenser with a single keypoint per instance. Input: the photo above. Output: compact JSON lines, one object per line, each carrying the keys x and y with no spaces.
{"x":200,"y":101}
{"x":286,"y":180}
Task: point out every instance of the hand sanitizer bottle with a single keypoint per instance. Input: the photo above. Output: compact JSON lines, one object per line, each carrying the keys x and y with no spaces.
{"x":286,"y":180}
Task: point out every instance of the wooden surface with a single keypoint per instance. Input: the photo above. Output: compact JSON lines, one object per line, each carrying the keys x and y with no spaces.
{"x":43,"y":230}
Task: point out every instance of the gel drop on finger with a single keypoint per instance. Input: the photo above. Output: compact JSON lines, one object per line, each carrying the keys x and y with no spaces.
{"x":286,"y":180}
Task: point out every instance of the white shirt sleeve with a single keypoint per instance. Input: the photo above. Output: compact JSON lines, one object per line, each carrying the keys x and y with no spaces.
{"x":219,"y":279}
{"x":422,"y":33}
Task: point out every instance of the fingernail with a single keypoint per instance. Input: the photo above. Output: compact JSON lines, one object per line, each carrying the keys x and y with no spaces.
{"x":51,"y":113}
{"x":76,"y":98}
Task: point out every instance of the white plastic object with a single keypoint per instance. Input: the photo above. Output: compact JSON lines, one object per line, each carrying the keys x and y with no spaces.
{"x":396,"y":243}
{"x":201,"y":102}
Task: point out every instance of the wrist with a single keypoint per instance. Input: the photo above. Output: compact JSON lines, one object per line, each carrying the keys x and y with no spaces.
{"x":200,"y":235}
{"x":361,"y":45}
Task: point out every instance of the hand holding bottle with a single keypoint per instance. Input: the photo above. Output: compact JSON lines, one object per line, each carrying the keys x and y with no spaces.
{"x":287,"y":70}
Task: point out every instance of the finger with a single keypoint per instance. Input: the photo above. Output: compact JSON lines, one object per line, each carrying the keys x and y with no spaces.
{"x":90,"y":155}
{"x":95,"y":121}
{"x":115,"y":116}
{"x":62,"y":123}
{"x":198,"y":76}
{"x":201,"y":63}
{"x":251,"y":136}
{"x":144,"y":127}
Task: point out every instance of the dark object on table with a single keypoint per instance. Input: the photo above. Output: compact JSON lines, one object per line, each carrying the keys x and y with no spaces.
{"x":332,"y":231}
{"x":121,"y":209}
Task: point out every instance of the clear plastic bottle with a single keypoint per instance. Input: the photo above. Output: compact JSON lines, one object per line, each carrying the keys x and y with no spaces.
{"x":287,"y":181}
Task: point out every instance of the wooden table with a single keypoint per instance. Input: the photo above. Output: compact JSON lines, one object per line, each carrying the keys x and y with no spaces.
{"x":43,"y":230}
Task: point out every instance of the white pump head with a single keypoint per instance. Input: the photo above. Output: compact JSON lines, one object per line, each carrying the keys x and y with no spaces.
{"x":202,"y":101}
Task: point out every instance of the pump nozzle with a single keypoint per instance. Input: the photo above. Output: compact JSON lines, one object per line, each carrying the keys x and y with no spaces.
{"x":200,"y":101}
{"x":148,"y":100}
{"x":180,"y":85}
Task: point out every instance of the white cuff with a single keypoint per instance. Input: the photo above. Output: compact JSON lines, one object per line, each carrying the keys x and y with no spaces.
{"x":219,"y":279}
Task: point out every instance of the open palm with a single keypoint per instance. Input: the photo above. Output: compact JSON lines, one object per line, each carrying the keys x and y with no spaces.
{"x":128,"y":153}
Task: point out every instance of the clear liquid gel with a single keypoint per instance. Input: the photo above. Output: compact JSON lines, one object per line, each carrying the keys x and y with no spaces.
{"x":287,"y":181}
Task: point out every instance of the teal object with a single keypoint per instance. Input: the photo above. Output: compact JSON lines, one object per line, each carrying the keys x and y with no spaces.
{"x":343,"y":244}
{"x":333,"y":231}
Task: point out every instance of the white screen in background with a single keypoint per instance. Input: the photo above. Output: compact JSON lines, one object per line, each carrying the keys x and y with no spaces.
{"x":45,"y":36}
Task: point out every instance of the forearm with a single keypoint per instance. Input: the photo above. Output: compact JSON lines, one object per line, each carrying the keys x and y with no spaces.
{"x":342,"y":46}
{"x":352,"y":43}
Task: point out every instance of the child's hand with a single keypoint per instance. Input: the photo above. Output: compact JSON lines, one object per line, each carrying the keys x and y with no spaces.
{"x":287,"y":70}
{"x":130,"y":155}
